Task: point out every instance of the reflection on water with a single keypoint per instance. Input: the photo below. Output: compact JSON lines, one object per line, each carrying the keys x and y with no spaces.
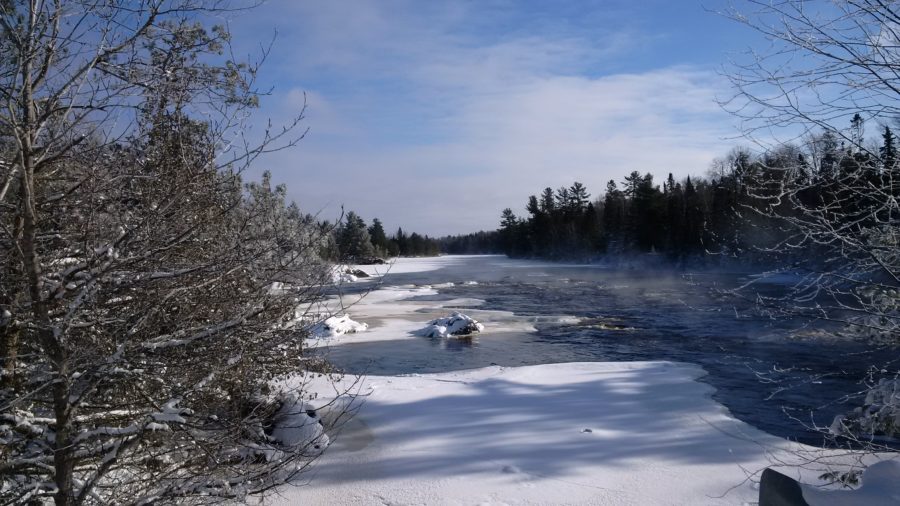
{"x":766,"y":372}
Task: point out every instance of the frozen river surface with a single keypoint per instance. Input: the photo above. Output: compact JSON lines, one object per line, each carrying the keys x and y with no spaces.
{"x":778,"y":376}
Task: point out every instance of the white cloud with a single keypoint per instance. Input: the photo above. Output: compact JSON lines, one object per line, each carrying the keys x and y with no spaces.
{"x":428,"y":125}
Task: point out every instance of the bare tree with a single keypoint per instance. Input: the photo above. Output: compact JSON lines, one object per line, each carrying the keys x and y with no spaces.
{"x":831,"y":67}
{"x":148,"y":297}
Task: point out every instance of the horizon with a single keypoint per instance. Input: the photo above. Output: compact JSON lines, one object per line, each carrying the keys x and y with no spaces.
{"x":435,"y":117}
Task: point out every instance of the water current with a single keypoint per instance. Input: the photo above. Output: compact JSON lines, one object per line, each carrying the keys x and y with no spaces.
{"x":779,"y":375}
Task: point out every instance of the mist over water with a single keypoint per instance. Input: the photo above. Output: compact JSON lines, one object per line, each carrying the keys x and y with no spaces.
{"x":776,"y":375}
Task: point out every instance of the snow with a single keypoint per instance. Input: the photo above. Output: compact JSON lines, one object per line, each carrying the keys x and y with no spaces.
{"x":340,"y":276}
{"x":336,"y":326}
{"x":456,"y":324}
{"x":632,"y":433}
{"x":880,"y":487}
{"x":576,"y":433}
{"x":411,"y":265}
{"x":879,"y":415}
{"x":392,"y":315}
{"x":298,"y":425}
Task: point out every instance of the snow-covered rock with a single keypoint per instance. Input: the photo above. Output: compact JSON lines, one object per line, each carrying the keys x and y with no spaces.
{"x":297,"y":424}
{"x":337,"y":326}
{"x":346,"y":274}
{"x":456,"y":324}
{"x":339,"y":275}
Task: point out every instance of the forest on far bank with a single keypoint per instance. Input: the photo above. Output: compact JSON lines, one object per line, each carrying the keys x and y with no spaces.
{"x":743,"y":209}
{"x":351,"y":240}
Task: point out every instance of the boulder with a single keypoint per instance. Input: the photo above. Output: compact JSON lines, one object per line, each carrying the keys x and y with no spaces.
{"x":357,"y":272}
{"x":457,"y":324}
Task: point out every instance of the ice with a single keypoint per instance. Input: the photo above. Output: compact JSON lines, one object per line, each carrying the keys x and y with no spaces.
{"x":571,"y":433}
{"x":517,"y":436}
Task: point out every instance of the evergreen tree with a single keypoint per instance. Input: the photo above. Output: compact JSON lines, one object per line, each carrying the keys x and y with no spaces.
{"x":353,"y":241}
{"x":379,"y":238}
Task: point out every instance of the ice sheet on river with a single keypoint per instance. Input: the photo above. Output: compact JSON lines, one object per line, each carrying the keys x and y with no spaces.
{"x":576,"y":433}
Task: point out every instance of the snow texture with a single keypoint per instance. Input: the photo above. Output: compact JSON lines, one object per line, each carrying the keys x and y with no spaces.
{"x":336,"y":326}
{"x":391,"y":315}
{"x":457,"y":324}
{"x":880,"y":487}
{"x":340,"y":275}
{"x":298,"y":425}
{"x":631,"y":433}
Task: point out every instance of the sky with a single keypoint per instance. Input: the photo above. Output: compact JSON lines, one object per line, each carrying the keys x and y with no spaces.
{"x":433,"y":116}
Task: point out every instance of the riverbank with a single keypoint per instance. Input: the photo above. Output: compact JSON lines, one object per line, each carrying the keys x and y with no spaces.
{"x":638,"y":433}
{"x":576,"y":433}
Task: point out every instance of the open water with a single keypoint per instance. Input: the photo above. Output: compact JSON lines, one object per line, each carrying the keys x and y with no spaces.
{"x":781,"y":376}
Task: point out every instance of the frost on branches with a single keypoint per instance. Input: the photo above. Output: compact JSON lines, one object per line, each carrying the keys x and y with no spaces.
{"x":879,"y":416}
{"x":139,"y":334}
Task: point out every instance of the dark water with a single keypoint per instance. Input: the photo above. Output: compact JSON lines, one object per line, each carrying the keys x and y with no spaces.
{"x":777,"y":375}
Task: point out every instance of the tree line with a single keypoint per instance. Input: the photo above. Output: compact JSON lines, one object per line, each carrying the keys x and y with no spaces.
{"x":738,"y":210}
{"x":353,"y":241}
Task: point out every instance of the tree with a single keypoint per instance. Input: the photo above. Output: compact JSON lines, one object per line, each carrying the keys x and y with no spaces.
{"x":353,"y":241}
{"x":379,"y":238}
{"x":578,"y":197}
{"x":848,"y":239}
{"x":510,"y":232}
{"x":143,"y":308}
{"x":402,"y":242}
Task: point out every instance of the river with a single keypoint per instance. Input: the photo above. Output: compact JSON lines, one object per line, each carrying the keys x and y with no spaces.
{"x":781,"y":376}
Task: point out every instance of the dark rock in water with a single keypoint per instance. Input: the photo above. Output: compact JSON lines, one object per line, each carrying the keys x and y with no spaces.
{"x":469,"y":329}
{"x":371,"y":261}
{"x":356,"y":272}
{"x":776,"y":489}
{"x":457,"y":324}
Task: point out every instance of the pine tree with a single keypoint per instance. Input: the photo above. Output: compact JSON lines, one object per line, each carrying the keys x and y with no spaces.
{"x":379,"y":238}
{"x":353,"y":241}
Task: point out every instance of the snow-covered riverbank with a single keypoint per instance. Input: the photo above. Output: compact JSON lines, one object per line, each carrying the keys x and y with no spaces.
{"x":639,"y":433}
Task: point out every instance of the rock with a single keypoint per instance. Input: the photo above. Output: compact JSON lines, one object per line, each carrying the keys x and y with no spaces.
{"x":776,"y":489}
{"x":356,"y":272}
{"x":457,"y":324}
{"x":336,"y":326}
{"x":371,"y":261}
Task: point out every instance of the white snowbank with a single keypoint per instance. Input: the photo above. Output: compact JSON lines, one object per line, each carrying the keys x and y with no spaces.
{"x":457,"y":324}
{"x":635,"y":433}
{"x":336,"y":326}
{"x":880,"y":487}
{"x":403,"y":265}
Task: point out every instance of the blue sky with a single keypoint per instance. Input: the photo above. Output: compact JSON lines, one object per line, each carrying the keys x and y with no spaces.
{"x":435,"y":115}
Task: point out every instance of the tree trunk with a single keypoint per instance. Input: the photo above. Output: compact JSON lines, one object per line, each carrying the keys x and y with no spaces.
{"x":46,"y":335}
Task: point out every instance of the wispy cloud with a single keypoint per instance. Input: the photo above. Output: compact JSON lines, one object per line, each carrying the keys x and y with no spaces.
{"x":435,"y":116}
